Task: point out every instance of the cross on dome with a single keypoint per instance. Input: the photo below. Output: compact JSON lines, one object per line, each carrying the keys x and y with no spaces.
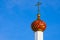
{"x":38,"y":5}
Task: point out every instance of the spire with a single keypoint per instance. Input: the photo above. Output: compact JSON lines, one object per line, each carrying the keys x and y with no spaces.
{"x":38,"y":5}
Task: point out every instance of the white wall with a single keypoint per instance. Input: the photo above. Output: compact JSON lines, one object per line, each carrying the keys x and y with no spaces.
{"x":38,"y":35}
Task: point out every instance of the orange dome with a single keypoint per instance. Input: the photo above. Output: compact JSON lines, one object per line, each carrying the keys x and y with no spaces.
{"x":38,"y":25}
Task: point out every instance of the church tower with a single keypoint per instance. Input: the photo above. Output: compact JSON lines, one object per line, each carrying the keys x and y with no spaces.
{"x":38,"y":26}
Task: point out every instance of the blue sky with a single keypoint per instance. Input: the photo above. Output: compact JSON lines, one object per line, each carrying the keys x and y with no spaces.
{"x":16,"y":17}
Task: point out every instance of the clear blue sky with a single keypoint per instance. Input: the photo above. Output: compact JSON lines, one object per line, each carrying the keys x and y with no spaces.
{"x":16,"y":17}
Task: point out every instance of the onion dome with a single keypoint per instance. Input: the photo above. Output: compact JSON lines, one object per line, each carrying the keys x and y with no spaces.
{"x":38,"y":25}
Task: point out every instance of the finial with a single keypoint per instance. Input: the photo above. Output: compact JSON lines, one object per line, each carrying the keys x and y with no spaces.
{"x":38,"y":5}
{"x":38,"y":16}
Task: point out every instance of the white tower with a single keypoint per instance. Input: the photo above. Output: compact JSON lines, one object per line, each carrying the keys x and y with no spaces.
{"x":38,"y":26}
{"x":38,"y":35}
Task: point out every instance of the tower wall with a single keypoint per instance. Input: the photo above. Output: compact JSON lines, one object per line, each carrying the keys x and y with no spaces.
{"x":38,"y":35}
